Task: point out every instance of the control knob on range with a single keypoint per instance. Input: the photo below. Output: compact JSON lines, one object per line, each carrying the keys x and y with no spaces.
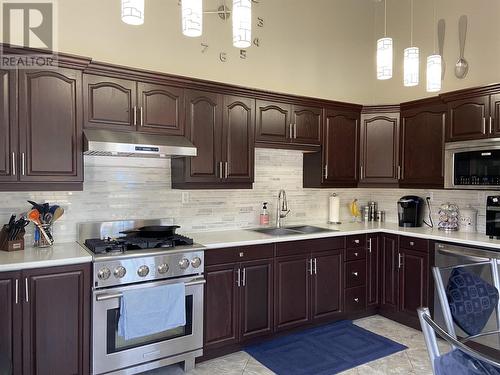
{"x":184,"y":263}
{"x":143,"y":271}
{"x":196,"y":262}
{"x":104,"y":273}
{"x":120,"y":271}
{"x":163,"y":268}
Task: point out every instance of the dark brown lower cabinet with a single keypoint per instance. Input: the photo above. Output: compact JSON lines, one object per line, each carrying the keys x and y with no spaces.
{"x":373,"y":273}
{"x":326,"y":285}
{"x":390,"y":271}
{"x":238,"y":299}
{"x":51,"y":306}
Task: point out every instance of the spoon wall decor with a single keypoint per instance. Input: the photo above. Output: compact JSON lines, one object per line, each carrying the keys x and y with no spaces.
{"x":462,"y":66}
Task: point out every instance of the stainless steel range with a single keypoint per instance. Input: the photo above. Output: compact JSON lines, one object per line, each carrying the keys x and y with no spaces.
{"x":131,"y":255}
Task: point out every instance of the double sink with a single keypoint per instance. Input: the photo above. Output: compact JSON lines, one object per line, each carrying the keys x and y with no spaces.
{"x":292,"y":230}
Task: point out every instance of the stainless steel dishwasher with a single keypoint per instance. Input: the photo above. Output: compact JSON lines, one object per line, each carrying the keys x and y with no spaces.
{"x":450,"y":255}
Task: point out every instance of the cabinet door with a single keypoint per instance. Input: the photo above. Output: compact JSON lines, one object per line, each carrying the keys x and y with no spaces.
{"x":413,"y":281}
{"x":273,"y":122}
{"x":373,"y":268}
{"x":291,"y":288}
{"x":8,"y":127}
{"x":326,"y":284}
{"x":204,"y":129}
{"x":468,"y":118}
{"x":307,"y":123}
{"x":379,"y":149}
{"x":10,"y":323}
{"x":161,"y":109}
{"x":256,"y":299}
{"x":422,"y":148}
{"x":221,"y":306}
{"x":340,"y":147}
{"x":238,"y":139}
{"x":50,"y":125}
{"x":109,"y":103}
{"x":56,"y":321}
{"x":494,"y":125}
{"x":390,"y":272}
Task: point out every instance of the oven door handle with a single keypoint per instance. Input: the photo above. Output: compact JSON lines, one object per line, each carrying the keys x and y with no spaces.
{"x":108,"y":296}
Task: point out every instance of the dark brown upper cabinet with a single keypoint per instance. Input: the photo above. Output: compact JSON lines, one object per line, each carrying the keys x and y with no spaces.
{"x":128,"y":105}
{"x":379,"y":153}
{"x":161,"y":109}
{"x":221,"y":128}
{"x":109,"y":103}
{"x":423,"y":126}
{"x":337,"y":164}
{"x":287,"y":125}
{"x":50,"y":126}
{"x":9,"y":170}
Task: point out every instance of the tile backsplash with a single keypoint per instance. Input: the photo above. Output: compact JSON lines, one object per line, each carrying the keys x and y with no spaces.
{"x":125,"y":188}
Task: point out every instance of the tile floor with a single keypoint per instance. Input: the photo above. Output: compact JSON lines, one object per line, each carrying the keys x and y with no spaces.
{"x":414,"y":360}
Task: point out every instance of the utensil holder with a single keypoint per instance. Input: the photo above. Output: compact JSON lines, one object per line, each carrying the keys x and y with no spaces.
{"x":12,"y":245}
{"x":40,"y":240}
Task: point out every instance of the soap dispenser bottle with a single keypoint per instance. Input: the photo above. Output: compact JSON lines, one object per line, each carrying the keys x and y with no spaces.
{"x":264,"y":215}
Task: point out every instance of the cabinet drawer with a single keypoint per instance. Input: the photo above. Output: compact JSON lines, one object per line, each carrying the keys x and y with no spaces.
{"x":355,"y":273}
{"x":356,"y":241}
{"x":238,"y":254}
{"x":355,"y":254}
{"x":412,"y":243}
{"x":308,"y":246}
{"x":355,"y":299}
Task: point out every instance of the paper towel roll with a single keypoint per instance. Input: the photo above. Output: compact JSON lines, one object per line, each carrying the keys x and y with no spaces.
{"x":334,"y":214}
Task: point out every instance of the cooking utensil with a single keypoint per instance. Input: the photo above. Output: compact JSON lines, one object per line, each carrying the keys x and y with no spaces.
{"x":441,"y":34}
{"x":462,"y":66}
{"x":34,"y":216}
{"x":58,"y":212}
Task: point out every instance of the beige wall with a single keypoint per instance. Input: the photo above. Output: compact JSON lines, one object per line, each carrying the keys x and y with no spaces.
{"x":482,"y":49}
{"x":316,"y":48}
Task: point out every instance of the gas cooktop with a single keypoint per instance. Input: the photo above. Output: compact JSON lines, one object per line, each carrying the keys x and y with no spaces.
{"x":123,"y":244}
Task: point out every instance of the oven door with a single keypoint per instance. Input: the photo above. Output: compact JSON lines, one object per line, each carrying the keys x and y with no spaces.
{"x":112,"y":352}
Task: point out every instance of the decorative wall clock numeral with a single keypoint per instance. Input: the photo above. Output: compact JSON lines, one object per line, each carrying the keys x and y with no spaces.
{"x":260,"y":22}
{"x":223,"y":56}
{"x":256,"y":42}
{"x":243,"y":54}
{"x":204,"y":47}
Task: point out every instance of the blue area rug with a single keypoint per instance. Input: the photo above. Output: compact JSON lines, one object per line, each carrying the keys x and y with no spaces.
{"x":324,"y":350}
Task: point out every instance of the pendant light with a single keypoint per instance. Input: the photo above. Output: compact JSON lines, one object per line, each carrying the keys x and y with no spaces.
{"x":384,"y":52}
{"x":242,"y":23}
{"x":434,"y":63}
{"x":192,"y":17}
{"x":411,"y":61}
{"x":133,"y":12}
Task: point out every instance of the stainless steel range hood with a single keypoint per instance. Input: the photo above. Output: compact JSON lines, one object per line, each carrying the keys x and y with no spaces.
{"x":115,"y":143}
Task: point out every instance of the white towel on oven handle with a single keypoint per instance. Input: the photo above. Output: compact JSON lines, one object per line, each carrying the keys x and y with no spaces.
{"x":147,"y":311}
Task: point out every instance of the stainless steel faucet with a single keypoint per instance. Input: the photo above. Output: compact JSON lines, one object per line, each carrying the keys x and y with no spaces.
{"x":281,"y":208}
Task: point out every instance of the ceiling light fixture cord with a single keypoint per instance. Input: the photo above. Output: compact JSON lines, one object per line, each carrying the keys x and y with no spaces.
{"x":433,"y":27}
{"x":385,"y":18}
{"x":411,"y":25}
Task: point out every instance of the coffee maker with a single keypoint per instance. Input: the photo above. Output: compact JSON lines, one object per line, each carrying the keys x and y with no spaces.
{"x":410,"y":211}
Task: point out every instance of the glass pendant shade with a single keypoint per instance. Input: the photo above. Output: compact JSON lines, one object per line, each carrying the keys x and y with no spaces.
{"x":434,"y":73}
{"x":384,"y":58}
{"x":133,"y":12}
{"x":242,"y":23}
{"x":411,"y":65}
{"x":192,"y":17}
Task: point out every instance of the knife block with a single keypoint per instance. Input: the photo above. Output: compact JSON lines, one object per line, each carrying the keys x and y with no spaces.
{"x":14,"y":245}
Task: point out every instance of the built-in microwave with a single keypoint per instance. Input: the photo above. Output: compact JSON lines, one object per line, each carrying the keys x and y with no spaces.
{"x":472,"y":164}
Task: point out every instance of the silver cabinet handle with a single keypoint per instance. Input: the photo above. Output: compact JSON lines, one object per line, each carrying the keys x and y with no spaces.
{"x":484,"y":125}
{"x":238,"y":280}
{"x":221,"y":173}
{"x":135,"y":115}
{"x":491,"y":125}
{"x":326,"y":172}
{"x":369,"y":245}
{"x":361,"y":175}
{"x":399,"y":172}
{"x":356,"y":300}
{"x":23,"y":165}
{"x":315,"y":266}
{"x":356,"y":241}
{"x":412,"y":243}
{"x":26,"y":289}
{"x":13,"y":164}
{"x":226,"y":174}
{"x":17,"y":291}
{"x":141,"y":117}
{"x":310,"y":266}
{"x":355,"y":274}
{"x":295,"y":131}
{"x":400,"y":260}
{"x":244,"y":276}
{"x":291,"y":130}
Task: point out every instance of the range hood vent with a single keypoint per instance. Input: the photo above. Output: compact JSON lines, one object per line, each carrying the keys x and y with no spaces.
{"x":100,"y":142}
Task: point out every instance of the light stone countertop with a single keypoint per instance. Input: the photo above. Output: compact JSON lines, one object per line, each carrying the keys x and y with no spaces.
{"x":245,"y":237}
{"x":60,"y":254}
